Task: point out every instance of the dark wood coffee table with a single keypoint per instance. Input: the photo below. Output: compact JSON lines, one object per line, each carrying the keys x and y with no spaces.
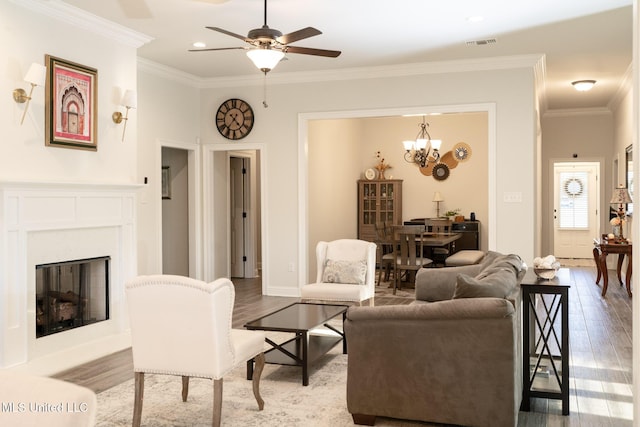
{"x":304,"y":348}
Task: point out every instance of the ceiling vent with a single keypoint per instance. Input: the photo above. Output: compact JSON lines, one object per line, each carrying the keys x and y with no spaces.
{"x":481,"y":42}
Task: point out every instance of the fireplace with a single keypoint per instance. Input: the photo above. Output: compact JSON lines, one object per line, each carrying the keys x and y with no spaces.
{"x":71,"y":294}
{"x":43,"y":226}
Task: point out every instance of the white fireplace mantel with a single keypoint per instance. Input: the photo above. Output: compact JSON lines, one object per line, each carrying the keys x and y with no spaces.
{"x":43,"y":222}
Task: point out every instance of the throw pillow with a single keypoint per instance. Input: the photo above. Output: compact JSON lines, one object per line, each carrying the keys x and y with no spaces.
{"x":349,"y":272}
{"x":498,"y":284}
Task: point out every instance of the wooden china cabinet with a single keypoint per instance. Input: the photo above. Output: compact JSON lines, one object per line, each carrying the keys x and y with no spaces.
{"x":378,"y":201}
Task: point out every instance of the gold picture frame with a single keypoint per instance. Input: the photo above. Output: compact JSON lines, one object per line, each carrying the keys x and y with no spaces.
{"x":71,"y":105}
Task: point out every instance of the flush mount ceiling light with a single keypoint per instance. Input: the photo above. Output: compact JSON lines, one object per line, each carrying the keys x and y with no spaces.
{"x":583,"y":85}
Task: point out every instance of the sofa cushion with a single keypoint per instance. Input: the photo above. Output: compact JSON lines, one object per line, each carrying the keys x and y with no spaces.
{"x":348,"y":272}
{"x":500,"y":283}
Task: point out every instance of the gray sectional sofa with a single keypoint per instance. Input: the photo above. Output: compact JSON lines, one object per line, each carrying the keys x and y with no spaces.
{"x":453,"y":356}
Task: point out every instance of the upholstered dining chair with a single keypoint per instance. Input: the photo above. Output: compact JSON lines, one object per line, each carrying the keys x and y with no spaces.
{"x":182,"y":326}
{"x":346,"y":272}
{"x":409,"y":254}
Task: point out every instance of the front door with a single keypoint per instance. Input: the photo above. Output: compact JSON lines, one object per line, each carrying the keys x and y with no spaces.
{"x":575,"y":213}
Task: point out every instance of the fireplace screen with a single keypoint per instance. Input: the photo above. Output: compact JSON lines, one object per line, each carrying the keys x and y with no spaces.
{"x":71,"y":294}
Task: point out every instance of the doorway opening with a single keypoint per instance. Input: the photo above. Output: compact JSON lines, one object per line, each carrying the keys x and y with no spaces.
{"x":177,"y":166}
{"x":233,"y":233}
{"x":244,"y":253}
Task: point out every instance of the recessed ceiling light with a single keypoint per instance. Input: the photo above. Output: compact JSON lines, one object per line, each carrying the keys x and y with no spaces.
{"x":583,"y":85}
{"x":199,"y":44}
{"x":475,"y":19}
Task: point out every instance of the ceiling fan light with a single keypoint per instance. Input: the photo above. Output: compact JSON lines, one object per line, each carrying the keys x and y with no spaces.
{"x":583,"y":85}
{"x":265,"y":59}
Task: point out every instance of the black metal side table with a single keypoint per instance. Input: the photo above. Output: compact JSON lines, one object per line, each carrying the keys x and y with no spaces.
{"x":545,"y":340}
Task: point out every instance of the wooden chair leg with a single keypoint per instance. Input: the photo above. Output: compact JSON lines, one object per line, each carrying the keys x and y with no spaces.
{"x":185,"y":388}
{"x":256,"y":379}
{"x":217,"y":402}
{"x":137,"y":400}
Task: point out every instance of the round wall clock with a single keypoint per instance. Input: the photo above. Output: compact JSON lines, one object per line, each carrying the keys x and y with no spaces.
{"x":234,"y":119}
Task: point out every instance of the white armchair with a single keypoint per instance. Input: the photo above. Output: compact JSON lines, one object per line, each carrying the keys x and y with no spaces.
{"x":23,"y":397}
{"x":181,"y":326}
{"x":346,"y":272}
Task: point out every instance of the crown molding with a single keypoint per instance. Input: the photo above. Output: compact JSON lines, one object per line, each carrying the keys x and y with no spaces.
{"x":169,"y":73}
{"x":573,"y":112}
{"x":64,"y":12}
{"x":539,"y":75}
{"x":626,"y":85}
{"x":402,"y":70}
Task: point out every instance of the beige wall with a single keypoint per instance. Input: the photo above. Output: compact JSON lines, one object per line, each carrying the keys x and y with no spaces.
{"x":340,"y":150}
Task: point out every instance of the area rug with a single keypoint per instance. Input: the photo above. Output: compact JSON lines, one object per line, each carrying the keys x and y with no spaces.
{"x":287,"y":402}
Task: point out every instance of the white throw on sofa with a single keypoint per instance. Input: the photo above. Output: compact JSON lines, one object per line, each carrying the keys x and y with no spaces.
{"x":30,"y":400}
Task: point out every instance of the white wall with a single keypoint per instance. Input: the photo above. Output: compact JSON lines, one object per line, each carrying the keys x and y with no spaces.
{"x":511,"y":90}
{"x":175,"y":109}
{"x":168,"y":115}
{"x":26,"y":37}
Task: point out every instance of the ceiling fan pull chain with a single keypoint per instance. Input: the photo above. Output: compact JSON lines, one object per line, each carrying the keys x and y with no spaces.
{"x":264,"y":97}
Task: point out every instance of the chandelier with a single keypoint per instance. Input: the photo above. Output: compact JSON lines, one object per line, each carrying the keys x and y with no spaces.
{"x":424,"y":149}
{"x":424,"y":152}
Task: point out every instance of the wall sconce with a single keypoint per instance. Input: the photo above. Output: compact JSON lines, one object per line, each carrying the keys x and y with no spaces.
{"x":36,"y":76}
{"x":129,"y":100}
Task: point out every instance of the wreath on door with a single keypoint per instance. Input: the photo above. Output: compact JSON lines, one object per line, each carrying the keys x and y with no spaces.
{"x":573,"y":187}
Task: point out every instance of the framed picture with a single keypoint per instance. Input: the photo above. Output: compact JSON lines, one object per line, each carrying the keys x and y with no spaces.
{"x":166,"y":182}
{"x":71,"y":105}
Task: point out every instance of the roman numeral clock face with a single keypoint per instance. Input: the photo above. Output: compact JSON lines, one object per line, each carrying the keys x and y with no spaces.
{"x":234,"y":119}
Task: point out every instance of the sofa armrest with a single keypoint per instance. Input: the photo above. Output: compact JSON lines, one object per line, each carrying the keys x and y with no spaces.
{"x":439,"y":284}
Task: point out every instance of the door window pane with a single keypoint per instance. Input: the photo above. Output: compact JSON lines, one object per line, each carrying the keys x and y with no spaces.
{"x":574,"y":200}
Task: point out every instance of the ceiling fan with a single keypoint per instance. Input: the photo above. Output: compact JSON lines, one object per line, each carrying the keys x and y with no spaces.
{"x":268,"y":45}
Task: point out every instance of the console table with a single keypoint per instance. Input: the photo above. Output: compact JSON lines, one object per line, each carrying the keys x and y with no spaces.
{"x":604,"y":247}
{"x":545,"y":343}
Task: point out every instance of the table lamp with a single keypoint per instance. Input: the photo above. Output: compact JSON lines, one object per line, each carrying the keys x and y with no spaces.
{"x":437,"y":197}
{"x":620,"y":197}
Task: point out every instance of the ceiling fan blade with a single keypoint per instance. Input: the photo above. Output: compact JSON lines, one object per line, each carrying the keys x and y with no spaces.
{"x":304,"y":33}
{"x":217,"y":48}
{"x":229,"y":33}
{"x":311,"y":51}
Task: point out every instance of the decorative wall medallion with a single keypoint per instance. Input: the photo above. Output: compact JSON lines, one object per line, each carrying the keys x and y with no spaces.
{"x":462,"y":151}
{"x":441,"y":171}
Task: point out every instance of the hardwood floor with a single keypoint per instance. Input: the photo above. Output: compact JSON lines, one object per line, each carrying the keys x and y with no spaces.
{"x":600,"y":353}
